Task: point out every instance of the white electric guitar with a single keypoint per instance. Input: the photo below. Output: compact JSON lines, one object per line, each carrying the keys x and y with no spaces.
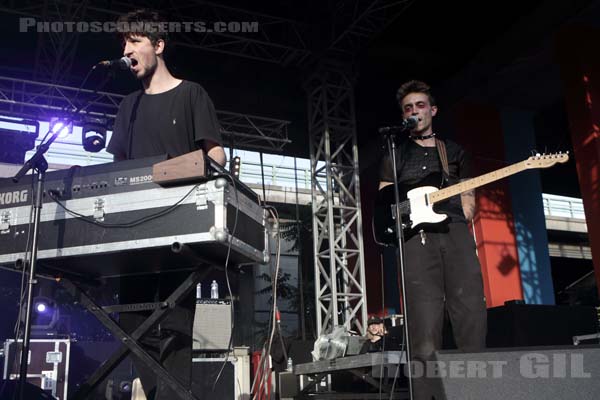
{"x":418,"y":200}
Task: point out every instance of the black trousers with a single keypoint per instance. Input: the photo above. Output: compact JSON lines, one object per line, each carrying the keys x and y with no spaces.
{"x":170,"y":342}
{"x":443,"y":274}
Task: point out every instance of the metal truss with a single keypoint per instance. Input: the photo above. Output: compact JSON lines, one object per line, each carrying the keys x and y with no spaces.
{"x":38,"y":100}
{"x":55,"y":51}
{"x":252,"y":132}
{"x":356,"y":22}
{"x":337,"y":218}
{"x":278,"y":40}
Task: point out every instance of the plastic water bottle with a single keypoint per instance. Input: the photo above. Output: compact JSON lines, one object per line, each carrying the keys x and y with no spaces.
{"x":198,"y":291}
{"x":290,"y":364}
{"x":214,"y":290}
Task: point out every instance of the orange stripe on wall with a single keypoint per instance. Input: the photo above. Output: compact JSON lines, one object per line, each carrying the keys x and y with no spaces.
{"x":480,"y":132}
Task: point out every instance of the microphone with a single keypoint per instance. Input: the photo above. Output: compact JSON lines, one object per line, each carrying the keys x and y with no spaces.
{"x":407,"y":124}
{"x":120,"y":63}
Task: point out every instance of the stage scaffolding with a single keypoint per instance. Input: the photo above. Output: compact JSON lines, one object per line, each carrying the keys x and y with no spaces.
{"x":337,"y":219}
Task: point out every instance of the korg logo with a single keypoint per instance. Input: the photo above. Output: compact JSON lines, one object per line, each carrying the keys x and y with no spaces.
{"x":136,"y":180}
{"x":7,"y":198}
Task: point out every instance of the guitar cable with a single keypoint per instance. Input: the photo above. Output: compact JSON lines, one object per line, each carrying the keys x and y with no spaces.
{"x":263,"y":364}
{"x":231,"y":300}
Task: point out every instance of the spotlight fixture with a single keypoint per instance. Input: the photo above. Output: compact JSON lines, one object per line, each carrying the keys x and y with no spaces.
{"x":62,"y":126}
{"x":93,"y":134}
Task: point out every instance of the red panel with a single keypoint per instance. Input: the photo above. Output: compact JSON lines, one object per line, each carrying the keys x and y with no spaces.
{"x":479,"y":131}
{"x":580,"y":72}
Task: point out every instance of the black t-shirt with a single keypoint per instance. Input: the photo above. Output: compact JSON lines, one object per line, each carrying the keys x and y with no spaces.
{"x":174,"y":122}
{"x":415,"y":163}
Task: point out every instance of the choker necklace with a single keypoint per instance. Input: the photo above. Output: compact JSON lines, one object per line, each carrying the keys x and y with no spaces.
{"x":415,"y":137}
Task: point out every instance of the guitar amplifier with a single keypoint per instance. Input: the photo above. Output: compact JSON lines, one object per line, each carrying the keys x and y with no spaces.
{"x":48,"y":366}
{"x":212,"y":325}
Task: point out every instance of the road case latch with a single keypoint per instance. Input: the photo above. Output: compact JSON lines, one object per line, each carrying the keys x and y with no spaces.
{"x":99,"y":209}
{"x":5,"y":222}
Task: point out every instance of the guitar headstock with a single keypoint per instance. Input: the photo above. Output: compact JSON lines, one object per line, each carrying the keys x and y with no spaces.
{"x":546,"y":160}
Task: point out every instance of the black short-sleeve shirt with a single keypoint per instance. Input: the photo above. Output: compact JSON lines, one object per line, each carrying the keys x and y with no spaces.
{"x":415,"y":163}
{"x":174,"y":122}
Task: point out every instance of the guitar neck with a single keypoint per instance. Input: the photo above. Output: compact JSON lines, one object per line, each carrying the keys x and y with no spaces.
{"x":473,"y":183}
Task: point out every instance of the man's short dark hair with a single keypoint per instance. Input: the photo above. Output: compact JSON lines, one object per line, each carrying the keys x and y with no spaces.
{"x":414,"y":87}
{"x":142,"y":22}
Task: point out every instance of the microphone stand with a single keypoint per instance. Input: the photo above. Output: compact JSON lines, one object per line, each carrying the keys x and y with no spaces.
{"x":391,"y":145}
{"x":38,"y":164}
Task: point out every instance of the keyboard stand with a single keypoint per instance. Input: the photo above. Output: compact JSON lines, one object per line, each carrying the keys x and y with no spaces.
{"x":129,"y":341}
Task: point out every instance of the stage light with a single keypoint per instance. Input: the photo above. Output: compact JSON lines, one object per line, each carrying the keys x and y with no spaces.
{"x":45,"y":314}
{"x":41,"y":307}
{"x":93,"y":134}
{"x":236,"y":164}
{"x":62,"y":126}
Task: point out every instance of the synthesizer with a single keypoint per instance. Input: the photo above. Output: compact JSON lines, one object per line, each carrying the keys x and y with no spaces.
{"x":112,"y":219}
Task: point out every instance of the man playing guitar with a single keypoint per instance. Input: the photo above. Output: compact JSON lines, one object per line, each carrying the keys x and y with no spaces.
{"x":442,"y":271}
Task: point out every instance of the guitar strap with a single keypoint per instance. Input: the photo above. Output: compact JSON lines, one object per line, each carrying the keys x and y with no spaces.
{"x":441,"y":148}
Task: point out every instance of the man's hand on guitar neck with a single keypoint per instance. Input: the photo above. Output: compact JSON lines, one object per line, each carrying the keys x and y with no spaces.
{"x":467,"y":200}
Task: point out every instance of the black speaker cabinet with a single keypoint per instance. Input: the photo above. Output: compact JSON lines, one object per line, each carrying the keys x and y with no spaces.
{"x":518,"y":325}
{"x":565,"y":372}
{"x":234,"y":382}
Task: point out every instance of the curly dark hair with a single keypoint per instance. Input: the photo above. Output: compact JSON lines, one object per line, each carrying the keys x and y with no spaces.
{"x":142,"y":22}
{"x":414,"y":87}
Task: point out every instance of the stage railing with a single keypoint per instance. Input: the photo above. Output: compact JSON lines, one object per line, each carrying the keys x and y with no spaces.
{"x":275,"y":175}
{"x":562,"y":206}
